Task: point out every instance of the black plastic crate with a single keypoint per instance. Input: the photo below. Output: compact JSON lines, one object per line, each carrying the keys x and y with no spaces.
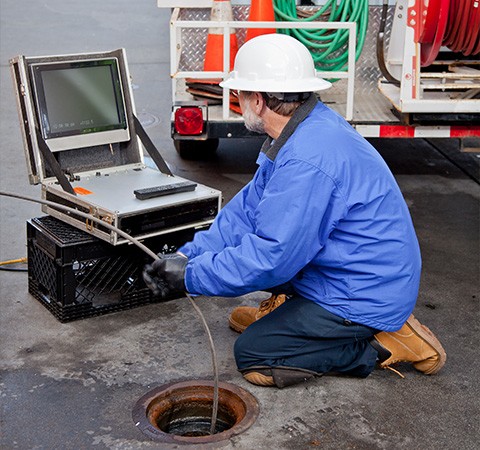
{"x":76,"y":275}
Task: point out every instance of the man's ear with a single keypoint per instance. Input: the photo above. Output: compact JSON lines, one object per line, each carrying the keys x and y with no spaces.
{"x":259,"y":103}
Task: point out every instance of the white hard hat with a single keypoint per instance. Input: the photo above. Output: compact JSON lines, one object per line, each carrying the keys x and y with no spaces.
{"x":274,"y":63}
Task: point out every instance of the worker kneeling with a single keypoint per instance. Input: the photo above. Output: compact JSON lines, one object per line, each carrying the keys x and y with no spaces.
{"x":323,"y":222}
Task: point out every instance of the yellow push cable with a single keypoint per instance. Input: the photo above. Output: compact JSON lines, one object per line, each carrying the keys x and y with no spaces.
{"x":13,"y":261}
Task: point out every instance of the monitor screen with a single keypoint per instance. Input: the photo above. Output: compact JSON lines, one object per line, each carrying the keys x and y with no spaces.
{"x":80,"y":103}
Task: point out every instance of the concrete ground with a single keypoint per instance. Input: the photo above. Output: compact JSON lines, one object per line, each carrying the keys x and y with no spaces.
{"x":73,"y":386}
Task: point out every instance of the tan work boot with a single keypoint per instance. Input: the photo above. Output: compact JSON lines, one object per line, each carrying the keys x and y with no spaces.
{"x":277,"y":376}
{"x":259,"y":379}
{"x":413,"y":343}
{"x":243,"y":316}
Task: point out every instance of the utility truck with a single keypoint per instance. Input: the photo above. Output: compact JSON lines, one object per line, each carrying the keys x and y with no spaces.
{"x":393,"y":74}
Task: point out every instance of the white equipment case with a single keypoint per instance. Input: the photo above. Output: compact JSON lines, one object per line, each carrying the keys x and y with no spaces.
{"x":84,"y":144}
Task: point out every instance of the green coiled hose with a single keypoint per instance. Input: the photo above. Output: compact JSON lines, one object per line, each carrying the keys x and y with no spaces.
{"x":329,"y":48}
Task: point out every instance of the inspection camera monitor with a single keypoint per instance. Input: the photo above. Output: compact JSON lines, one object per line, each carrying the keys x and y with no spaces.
{"x":85,"y":145}
{"x":80,"y":103}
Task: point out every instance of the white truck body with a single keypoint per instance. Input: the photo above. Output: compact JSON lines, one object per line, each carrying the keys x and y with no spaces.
{"x":439,"y":101}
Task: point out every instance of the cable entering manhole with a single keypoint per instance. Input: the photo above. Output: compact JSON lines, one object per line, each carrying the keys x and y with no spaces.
{"x":189,"y":407}
{"x":181,"y":412}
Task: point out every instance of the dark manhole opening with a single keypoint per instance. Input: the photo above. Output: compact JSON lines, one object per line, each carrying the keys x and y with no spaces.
{"x":181,"y":412}
{"x":193,"y":418}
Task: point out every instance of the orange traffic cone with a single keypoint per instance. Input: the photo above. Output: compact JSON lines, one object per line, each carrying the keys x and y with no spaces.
{"x":260,"y":11}
{"x":221,"y":11}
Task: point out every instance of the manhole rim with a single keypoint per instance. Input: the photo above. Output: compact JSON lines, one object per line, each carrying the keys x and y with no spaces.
{"x":142,"y":422}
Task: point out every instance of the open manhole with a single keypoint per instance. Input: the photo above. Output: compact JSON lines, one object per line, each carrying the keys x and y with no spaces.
{"x":181,"y":412}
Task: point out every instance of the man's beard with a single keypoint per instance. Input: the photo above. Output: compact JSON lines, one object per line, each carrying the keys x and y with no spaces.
{"x":252,"y":121}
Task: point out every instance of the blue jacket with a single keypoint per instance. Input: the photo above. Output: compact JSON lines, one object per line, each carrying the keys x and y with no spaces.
{"x":324,"y":212}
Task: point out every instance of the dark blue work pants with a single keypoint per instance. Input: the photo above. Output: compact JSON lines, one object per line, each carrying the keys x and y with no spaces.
{"x":302,"y":334}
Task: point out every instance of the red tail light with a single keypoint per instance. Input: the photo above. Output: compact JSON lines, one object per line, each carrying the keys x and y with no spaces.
{"x":189,"y":120}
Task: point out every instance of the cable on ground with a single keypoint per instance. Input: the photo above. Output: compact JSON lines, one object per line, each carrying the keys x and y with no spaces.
{"x":151,"y":254}
{"x":5,"y":265}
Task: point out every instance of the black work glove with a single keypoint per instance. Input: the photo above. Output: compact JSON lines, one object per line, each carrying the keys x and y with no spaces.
{"x":166,"y":276}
